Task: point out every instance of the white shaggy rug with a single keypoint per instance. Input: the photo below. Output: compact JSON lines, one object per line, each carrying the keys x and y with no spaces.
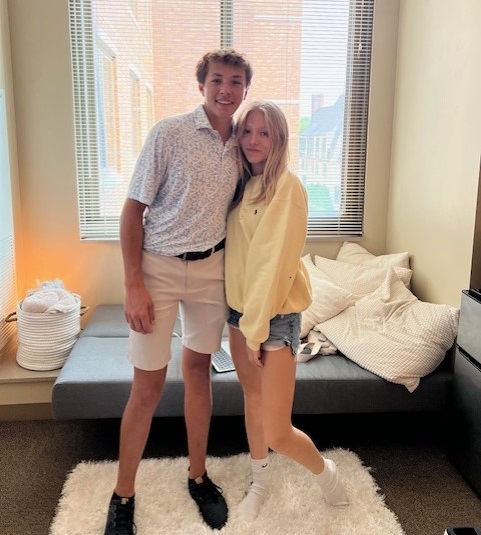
{"x":163,"y":505}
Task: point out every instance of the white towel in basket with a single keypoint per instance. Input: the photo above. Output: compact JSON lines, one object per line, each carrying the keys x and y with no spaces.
{"x":50,"y":300}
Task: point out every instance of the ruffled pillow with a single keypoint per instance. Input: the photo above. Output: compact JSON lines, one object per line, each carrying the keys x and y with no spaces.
{"x":353,"y":253}
{"x":393,"y":334}
{"x":328,"y":299}
{"x":358,"y":279}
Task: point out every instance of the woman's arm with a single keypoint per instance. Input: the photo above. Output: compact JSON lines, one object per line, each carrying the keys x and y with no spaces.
{"x":273,"y":260}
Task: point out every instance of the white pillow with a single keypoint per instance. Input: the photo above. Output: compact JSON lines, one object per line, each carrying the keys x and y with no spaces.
{"x":353,"y":253}
{"x":394,"y":335}
{"x":357,"y":279}
{"x":327,"y":298}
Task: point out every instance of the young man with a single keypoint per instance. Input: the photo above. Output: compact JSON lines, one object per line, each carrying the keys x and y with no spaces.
{"x":172,"y":234}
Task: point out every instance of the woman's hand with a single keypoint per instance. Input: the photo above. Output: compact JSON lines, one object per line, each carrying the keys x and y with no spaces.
{"x":255,"y":357}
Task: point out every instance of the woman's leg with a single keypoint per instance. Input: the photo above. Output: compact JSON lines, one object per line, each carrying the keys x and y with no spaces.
{"x":250,"y":379}
{"x":278,"y":385}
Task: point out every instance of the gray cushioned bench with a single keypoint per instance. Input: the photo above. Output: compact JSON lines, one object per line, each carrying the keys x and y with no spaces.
{"x":95,"y":381}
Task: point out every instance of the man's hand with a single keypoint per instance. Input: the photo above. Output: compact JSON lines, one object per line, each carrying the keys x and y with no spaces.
{"x":139,"y":310}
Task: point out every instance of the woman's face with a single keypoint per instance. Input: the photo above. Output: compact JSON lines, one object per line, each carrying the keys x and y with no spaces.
{"x":255,"y":141}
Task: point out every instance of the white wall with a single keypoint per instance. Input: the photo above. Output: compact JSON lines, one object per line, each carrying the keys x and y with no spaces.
{"x":436,"y":144}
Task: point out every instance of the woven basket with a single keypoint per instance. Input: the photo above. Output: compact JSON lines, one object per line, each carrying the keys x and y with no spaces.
{"x":46,"y":339}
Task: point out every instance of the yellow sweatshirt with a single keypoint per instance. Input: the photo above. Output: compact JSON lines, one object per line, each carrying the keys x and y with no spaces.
{"x":265,"y":275}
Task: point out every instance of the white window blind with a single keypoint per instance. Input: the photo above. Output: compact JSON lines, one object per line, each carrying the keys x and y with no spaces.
{"x":134,"y":63}
{"x":7,"y":258}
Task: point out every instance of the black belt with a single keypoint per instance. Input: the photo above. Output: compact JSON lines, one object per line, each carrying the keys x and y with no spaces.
{"x":200,"y":255}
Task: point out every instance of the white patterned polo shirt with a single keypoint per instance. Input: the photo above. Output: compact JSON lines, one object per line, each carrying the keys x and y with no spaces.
{"x":187,"y":178}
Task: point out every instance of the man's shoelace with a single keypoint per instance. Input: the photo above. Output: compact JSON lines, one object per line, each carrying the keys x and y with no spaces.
{"x":209,"y":492}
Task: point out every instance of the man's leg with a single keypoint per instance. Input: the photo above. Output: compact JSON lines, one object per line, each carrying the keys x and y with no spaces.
{"x":144,"y":396}
{"x":197,"y":411}
{"x":149,"y":353}
{"x":197,"y":408}
{"x":203,"y":315}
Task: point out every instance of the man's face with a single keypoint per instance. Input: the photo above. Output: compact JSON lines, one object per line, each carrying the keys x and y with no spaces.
{"x":224,"y":90}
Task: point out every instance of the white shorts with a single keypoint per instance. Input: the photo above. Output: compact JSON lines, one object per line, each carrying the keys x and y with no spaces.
{"x":193,"y":288}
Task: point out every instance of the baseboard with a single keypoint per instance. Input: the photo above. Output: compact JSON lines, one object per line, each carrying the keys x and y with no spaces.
{"x":30,"y":411}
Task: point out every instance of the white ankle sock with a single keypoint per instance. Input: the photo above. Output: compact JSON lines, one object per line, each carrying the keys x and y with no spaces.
{"x":251,"y":504}
{"x":332,"y":488}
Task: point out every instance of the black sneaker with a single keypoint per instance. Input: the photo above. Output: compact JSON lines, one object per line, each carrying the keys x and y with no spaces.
{"x":209,"y":500}
{"x":120,"y":519}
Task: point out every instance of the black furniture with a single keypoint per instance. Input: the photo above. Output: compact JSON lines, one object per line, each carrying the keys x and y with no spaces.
{"x":465,"y":421}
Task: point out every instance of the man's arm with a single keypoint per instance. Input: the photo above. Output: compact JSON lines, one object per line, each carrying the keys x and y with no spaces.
{"x":139,"y":308}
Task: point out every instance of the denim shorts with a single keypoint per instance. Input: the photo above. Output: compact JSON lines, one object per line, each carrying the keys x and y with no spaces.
{"x":284,"y":330}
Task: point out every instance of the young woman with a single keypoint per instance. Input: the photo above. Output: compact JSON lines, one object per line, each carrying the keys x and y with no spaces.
{"x":267,"y":288}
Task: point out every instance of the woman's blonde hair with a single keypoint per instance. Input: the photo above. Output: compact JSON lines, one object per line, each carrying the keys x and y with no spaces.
{"x":278,"y":156}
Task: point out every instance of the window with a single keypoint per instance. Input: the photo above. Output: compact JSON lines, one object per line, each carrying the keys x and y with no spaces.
{"x":312,"y":57}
